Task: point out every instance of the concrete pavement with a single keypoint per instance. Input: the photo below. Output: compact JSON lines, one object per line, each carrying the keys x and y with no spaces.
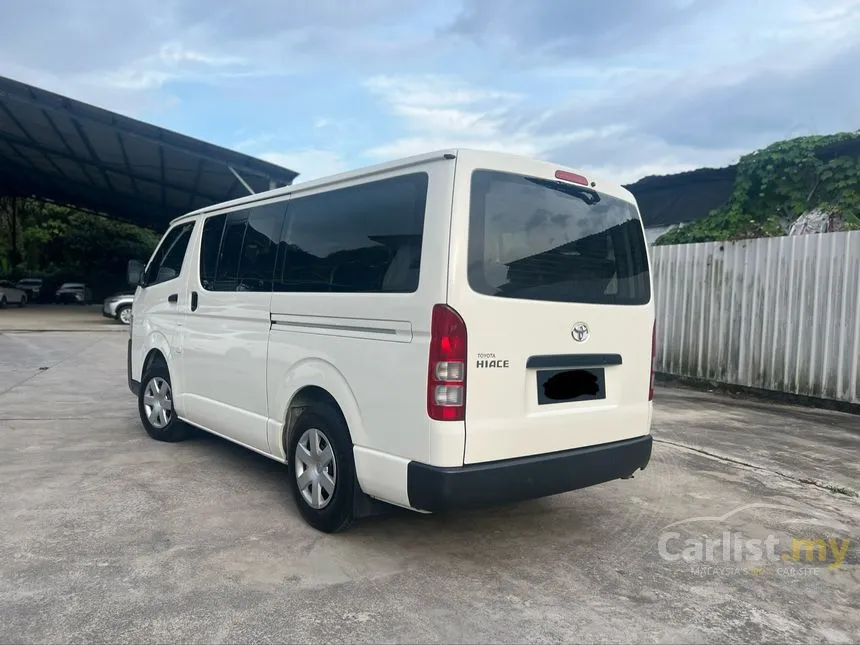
{"x":110,"y":536}
{"x":797,"y":442}
{"x":50,"y":317}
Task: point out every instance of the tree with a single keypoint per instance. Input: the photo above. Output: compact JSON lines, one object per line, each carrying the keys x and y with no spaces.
{"x":63,"y":243}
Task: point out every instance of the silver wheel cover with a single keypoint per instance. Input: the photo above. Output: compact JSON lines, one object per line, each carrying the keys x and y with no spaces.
{"x":158,"y":402}
{"x":315,"y":468}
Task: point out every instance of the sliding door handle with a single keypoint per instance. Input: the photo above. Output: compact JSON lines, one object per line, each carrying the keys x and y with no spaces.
{"x":173,"y":297}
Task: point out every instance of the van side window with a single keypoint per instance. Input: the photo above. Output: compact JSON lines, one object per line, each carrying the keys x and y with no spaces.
{"x":239,"y":249}
{"x":230,"y":252}
{"x":210,"y":244}
{"x":166,"y":263}
{"x":361,"y":239}
{"x":260,"y":247}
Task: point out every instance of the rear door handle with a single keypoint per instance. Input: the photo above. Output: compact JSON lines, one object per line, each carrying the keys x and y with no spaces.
{"x":173,"y":297}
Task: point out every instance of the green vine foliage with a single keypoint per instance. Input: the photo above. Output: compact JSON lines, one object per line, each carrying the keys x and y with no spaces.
{"x":774,"y":186}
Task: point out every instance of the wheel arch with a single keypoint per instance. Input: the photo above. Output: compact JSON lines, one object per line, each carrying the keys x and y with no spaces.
{"x":313,"y":381}
{"x":307,"y":396}
{"x":154,"y":355}
{"x":153,"y":345}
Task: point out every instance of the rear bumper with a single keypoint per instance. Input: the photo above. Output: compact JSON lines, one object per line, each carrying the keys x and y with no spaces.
{"x":435,"y":489}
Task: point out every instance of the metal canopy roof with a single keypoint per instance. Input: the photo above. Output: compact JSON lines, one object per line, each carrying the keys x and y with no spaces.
{"x":55,"y":148}
{"x":665,"y":200}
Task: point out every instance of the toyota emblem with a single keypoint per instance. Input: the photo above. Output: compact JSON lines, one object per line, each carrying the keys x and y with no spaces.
{"x":579,"y":333}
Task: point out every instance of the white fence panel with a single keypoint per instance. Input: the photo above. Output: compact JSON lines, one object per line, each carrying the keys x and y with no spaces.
{"x":774,"y":313}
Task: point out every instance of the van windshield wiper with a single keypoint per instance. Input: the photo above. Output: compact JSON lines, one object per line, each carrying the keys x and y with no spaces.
{"x":589,"y":196}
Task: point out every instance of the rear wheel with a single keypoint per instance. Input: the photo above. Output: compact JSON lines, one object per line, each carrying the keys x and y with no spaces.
{"x":322,"y":477}
{"x":23,"y":301}
{"x":155,"y":405}
{"x":3,"y":302}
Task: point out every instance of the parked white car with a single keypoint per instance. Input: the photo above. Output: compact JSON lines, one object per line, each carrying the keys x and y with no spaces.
{"x":454,"y":330}
{"x":11,"y":295}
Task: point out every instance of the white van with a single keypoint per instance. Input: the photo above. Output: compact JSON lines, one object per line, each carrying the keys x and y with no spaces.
{"x":454,"y":330}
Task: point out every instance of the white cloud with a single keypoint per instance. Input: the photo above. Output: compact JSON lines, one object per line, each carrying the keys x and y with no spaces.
{"x":175,"y":53}
{"x":433,"y":90}
{"x":445,"y":112}
{"x":310,"y":163}
{"x":255,"y":141}
{"x":409,"y":146}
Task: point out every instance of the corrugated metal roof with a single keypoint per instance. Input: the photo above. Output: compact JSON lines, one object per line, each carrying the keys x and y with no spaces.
{"x":73,"y":153}
{"x":684,"y":197}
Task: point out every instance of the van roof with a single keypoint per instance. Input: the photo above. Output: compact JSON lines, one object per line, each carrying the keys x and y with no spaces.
{"x":366,"y":171}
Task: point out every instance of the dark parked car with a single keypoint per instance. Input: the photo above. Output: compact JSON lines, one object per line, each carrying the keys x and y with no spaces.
{"x":73,"y":292}
{"x":33,"y":287}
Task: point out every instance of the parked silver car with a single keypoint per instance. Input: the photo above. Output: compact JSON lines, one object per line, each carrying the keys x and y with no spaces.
{"x":118,"y":307}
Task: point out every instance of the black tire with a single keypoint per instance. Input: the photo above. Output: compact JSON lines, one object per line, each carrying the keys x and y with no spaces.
{"x":23,"y":301}
{"x":337,"y":513}
{"x":3,"y":302}
{"x":174,"y":430}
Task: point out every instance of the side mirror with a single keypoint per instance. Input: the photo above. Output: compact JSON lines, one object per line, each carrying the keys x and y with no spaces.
{"x":134,"y":273}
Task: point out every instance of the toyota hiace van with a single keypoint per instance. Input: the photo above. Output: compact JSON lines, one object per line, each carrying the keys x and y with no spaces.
{"x":454,"y":330}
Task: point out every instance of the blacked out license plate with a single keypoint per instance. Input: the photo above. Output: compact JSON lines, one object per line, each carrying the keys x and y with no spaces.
{"x":560,"y":386}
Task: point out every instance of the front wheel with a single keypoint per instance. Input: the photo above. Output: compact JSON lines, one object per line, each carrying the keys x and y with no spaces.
{"x":156,"y":407}
{"x":322,"y":477}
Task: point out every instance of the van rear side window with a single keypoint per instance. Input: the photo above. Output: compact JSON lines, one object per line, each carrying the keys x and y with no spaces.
{"x":540,"y":239}
{"x":361,"y":239}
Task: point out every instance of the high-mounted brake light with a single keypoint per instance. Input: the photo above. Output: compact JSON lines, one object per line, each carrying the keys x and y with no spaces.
{"x":446,"y":369}
{"x":564,"y":175}
{"x":653,"y":360}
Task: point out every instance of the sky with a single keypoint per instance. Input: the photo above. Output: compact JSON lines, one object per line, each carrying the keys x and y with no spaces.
{"x":621,"y":88}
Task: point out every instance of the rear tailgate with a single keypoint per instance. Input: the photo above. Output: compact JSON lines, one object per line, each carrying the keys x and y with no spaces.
{"x":557,"y":305}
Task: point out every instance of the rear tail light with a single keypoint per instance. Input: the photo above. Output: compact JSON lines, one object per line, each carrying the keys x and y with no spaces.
{"x":653,"y":360}
{"x":446,"y":370}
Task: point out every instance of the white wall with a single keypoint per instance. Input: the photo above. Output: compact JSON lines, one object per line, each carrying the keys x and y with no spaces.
{"x":776,"y":313}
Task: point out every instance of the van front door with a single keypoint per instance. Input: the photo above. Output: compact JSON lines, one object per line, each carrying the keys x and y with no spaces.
{"x":157,"y":315}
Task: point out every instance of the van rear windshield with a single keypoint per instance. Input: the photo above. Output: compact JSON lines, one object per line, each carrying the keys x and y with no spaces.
{"x":541,"y":239}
